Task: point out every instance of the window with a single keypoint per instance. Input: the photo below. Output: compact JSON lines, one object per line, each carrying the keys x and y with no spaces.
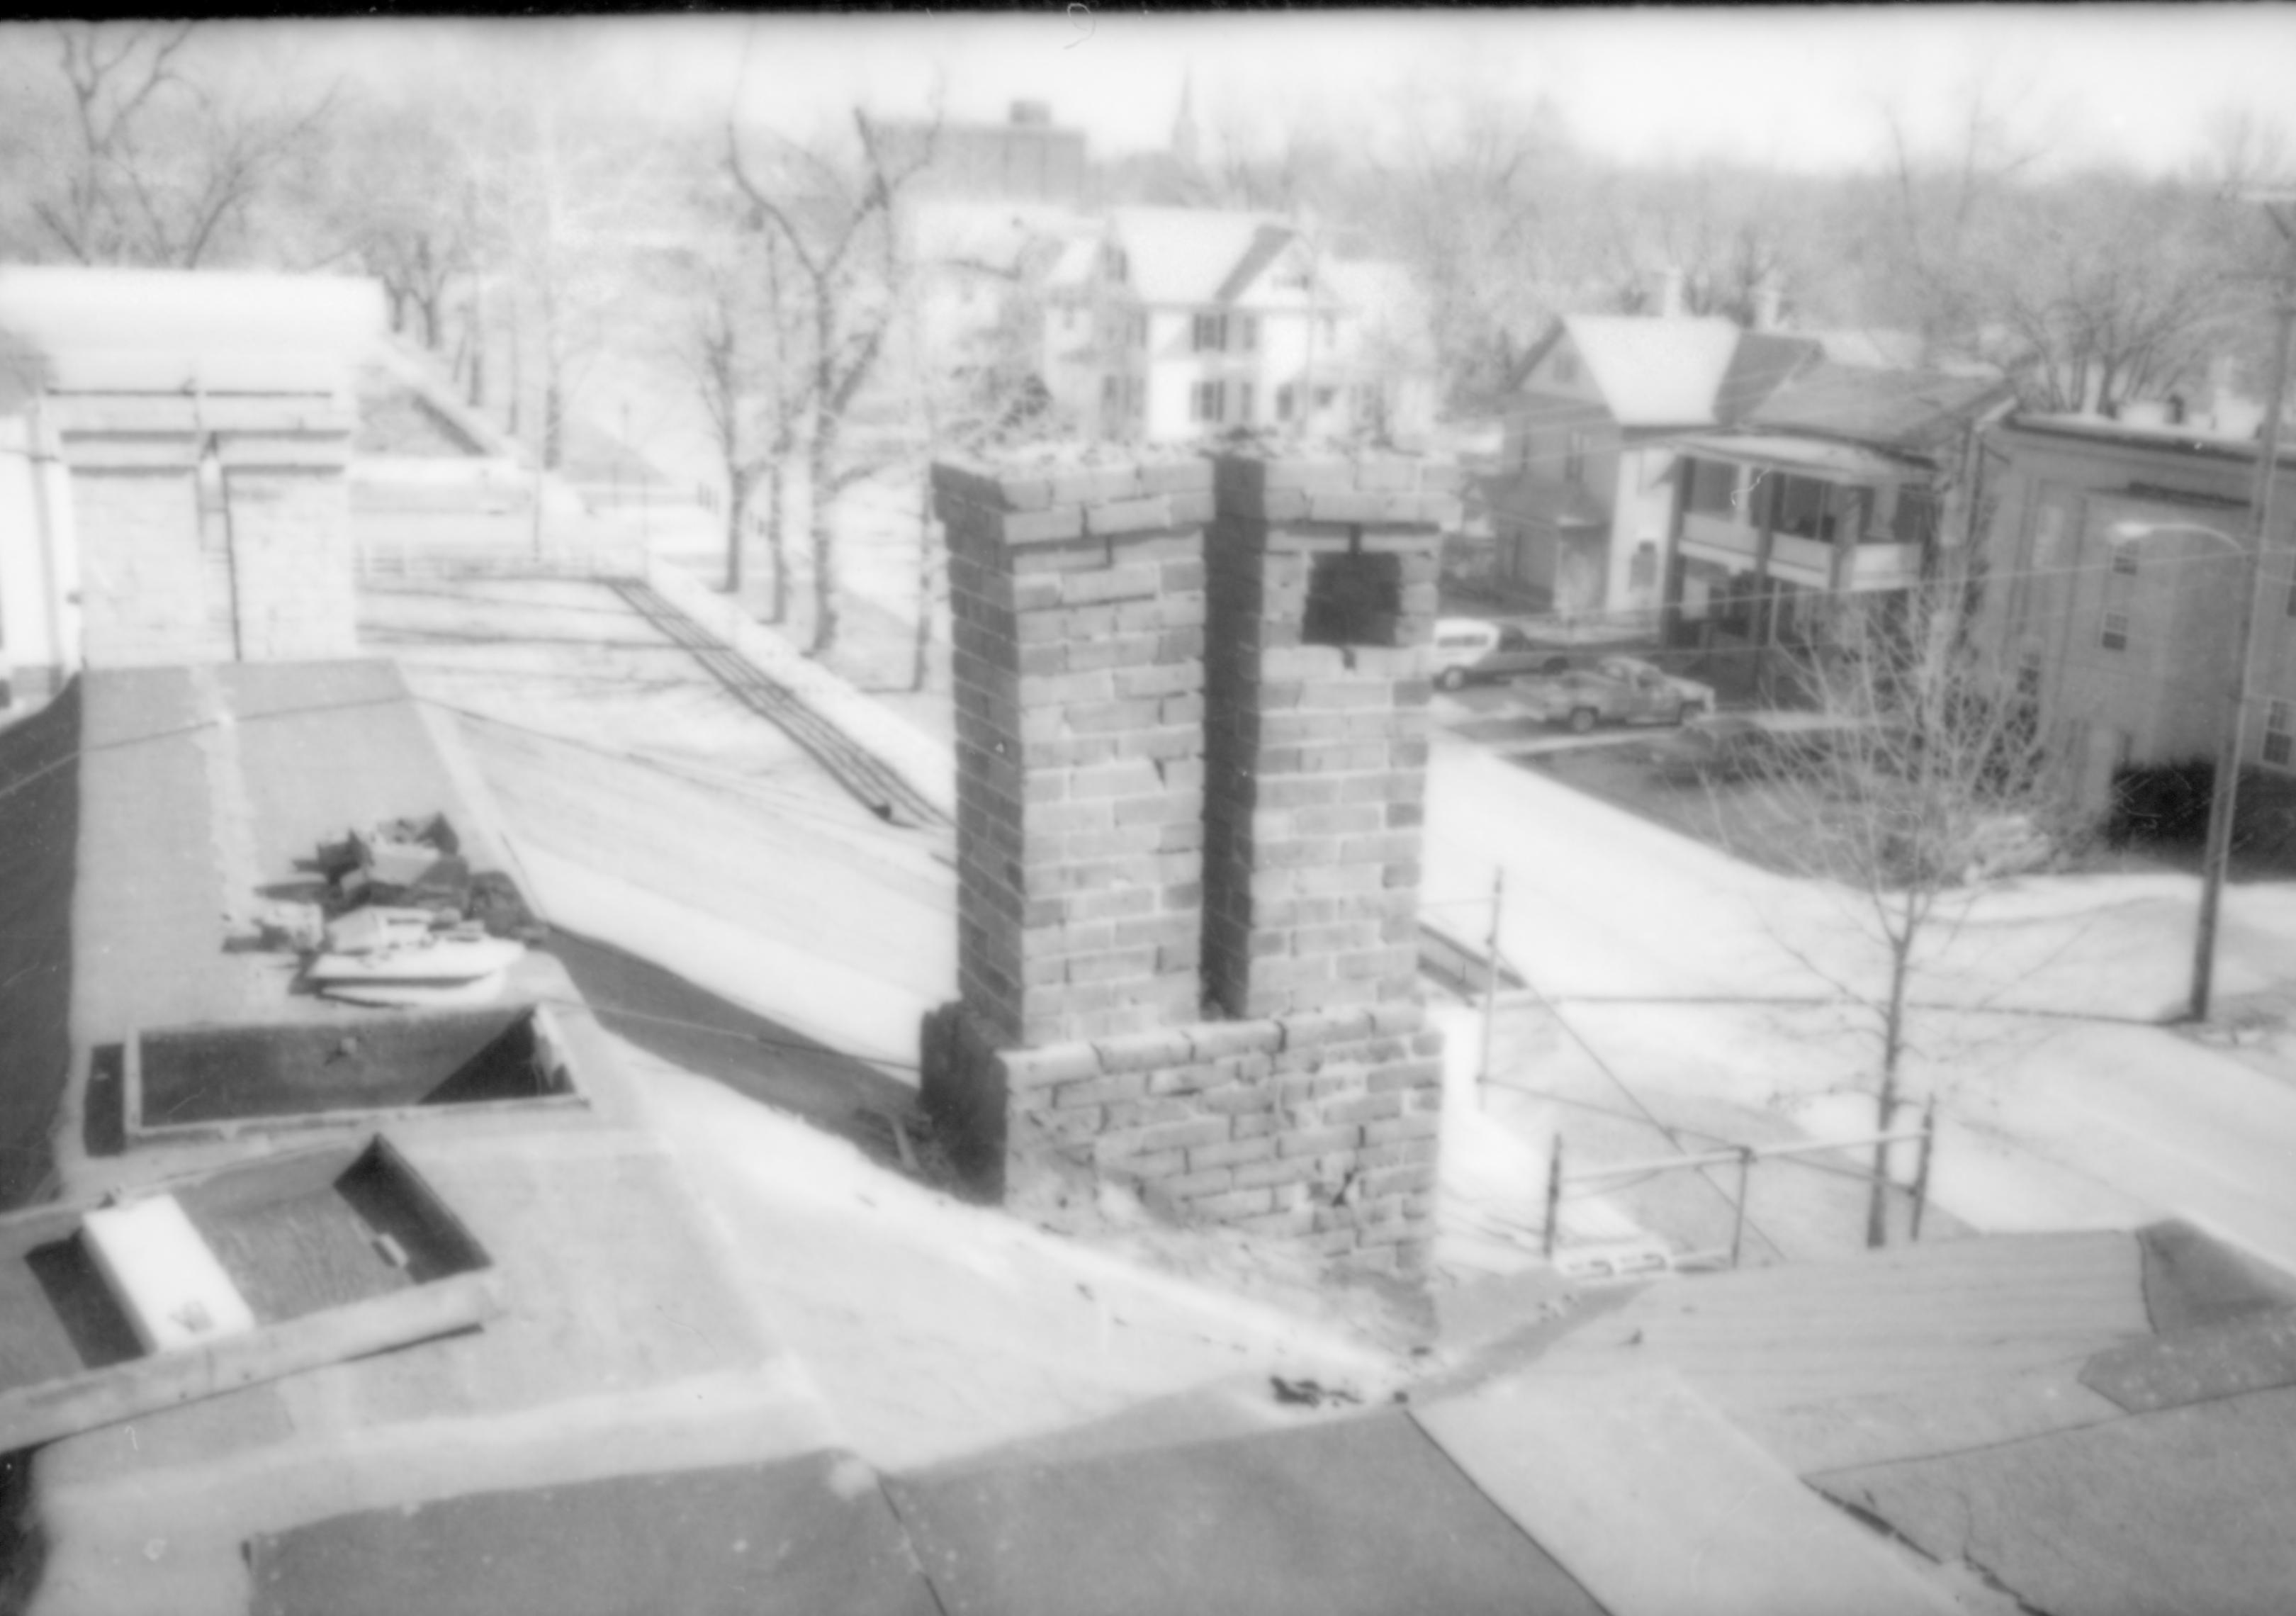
{"x":1250,"y":333}
{"x":1204,"y":401}
{"x":1208,"y":334}
{"x":2124,"y":559}
{"x":1574,"y":458}
{"x":1642,"y":566}
{"x":2115,"y":636}
{"x":2049,"y":533}
{"x":1713,"y":487}
{"x":2276,"y":728}
{"x":1324,"y":397}
{"x":1805,"y":508}
{"x":1285,"y":396}
{"x":1915,"y":519}
{"x":2028,"y":674}
{"x":1108,"y":390}
{"x":2290,"y":608}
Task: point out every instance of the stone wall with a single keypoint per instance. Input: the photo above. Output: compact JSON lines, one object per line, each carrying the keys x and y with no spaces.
{"x":256,"y":567}
{"x":1115,"y":901}
{"x":290,"y":545}
{"x":147,"y":579}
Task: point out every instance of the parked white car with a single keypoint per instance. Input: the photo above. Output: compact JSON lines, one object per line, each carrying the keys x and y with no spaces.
{"x":1471,"y":651}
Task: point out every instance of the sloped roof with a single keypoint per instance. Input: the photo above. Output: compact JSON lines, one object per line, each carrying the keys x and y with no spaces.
{"x":1655,"y":371}
{"x":1193,"y":255}
{"x":1871,"y":349}
{"x":1762,"y":364}
{"x":1900,"y":409}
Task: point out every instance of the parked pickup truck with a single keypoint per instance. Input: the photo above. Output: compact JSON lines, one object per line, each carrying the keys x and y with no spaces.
{"x":1617,"y":690}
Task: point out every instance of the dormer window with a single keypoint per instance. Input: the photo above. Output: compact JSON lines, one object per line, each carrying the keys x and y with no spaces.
{"x":1209,"y":335}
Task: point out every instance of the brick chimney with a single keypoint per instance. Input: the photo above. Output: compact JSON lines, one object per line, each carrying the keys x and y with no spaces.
{"x":1201,"y":984}
{"x":1317,"y":680}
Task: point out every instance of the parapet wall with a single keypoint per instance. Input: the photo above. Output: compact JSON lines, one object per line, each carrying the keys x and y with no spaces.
{"x":256,"y":566}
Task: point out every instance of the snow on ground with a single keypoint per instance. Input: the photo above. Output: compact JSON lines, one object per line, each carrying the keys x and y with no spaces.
{"x":652,"y":811}
{"x":934,"y":1329}
{"x":2084,"y":1115}
{"x":1666,"y":975}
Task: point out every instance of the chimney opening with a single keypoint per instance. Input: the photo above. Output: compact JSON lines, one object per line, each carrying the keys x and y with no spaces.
{"x":1354,"y":598}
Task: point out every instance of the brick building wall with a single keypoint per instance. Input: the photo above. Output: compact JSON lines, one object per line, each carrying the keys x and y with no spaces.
{"x":1090,"y":963}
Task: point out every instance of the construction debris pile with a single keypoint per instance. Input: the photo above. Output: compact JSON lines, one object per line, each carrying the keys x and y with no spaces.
{"x":402,"y":920}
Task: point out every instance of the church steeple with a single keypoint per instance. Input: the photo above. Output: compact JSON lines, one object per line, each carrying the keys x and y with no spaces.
{"x":1184,"y":125}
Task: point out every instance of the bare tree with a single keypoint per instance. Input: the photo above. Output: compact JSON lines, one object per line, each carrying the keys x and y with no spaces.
{"x":1463,"y":199}
{"x":1931,"y":778}
{"x":838,"y":223}
{"x":403,"y":200}
{"x":152,"y":162}
{"x":736,"y":337}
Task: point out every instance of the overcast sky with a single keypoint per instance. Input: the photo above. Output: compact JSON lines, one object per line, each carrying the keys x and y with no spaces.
{"x":1797,"y":88}
{"x":1800,"y":88}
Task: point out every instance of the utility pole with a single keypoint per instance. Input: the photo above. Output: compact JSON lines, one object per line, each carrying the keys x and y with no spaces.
{"x":2224,"y":795}
{"x":1491,"y":983}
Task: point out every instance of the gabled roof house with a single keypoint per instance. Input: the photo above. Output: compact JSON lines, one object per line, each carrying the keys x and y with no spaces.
{"x":1181,"y":321}
{"x":1839,"y":483}
{"x":1578,"y":508}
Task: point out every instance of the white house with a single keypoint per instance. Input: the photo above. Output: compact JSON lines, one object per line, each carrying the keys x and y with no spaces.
{"x":1176,"y":322}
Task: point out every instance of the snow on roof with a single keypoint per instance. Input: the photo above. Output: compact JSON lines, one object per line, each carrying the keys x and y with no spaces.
{"x":1072,"y":268}
{"x":158,"y":312}
{"x":1655,"y":371}
{"x":1871,"y":348}
{"x":1193,"y":255}
{"x":991,"y":234}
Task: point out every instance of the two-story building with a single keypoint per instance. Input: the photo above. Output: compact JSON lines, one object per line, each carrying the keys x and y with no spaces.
{"x":1836,"y":486}
{"x":2113,"y":588}
{"x":1178,"y":322}
{"x":1580,"y":507}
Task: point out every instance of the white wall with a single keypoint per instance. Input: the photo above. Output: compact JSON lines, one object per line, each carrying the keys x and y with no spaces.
{"x":40,"y":625}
